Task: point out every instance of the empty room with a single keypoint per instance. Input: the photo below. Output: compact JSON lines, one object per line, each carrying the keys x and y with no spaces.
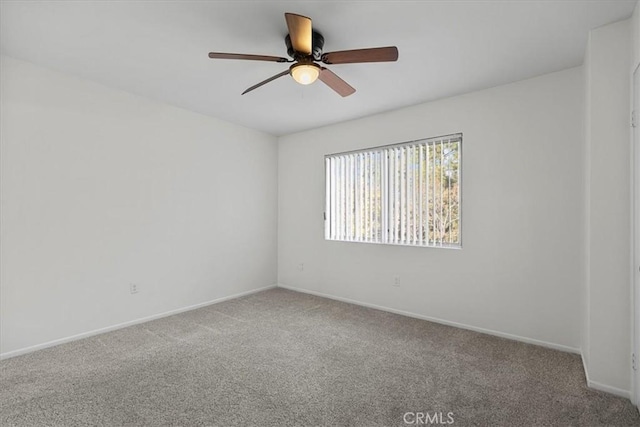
{"x":320,"y":213}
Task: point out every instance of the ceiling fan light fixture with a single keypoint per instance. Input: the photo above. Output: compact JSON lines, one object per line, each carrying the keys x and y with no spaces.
{"x":305,"y":74}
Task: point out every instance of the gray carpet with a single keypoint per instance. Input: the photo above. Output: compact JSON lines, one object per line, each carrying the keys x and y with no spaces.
{"x":281,"y":358}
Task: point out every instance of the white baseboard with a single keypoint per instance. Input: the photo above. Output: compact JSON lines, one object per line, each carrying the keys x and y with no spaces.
{"x":608,"y":389}
{"x":440,"y":321}
{"x":126,"y":324}
{"x":592,"y":384}
{"x":603,"y":387}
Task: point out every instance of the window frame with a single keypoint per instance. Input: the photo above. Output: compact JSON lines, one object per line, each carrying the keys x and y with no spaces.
{"x":430,"y":140}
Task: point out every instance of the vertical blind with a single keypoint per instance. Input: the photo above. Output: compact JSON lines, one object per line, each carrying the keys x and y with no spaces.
{"x":407,"y":194}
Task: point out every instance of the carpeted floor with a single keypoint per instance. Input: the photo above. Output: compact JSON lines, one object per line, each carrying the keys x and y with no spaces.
{"x":281,"y":358}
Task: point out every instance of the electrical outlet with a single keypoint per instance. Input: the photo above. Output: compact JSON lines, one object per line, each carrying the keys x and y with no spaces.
{"x":133,"y":288}
{"x":301,"y":266}
{"x":396,"y":281}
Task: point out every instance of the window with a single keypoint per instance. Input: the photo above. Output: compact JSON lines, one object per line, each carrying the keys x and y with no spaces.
{"x":404,"y":194}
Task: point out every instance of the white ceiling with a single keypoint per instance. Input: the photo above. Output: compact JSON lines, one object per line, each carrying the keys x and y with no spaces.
{"x":158,"y":49}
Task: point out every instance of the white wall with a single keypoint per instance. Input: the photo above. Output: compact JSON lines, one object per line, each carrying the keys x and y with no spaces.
{"x":101,"y":188}
{"x":635,"y":44}
{"x":521,"y":271}
{"x":586,"y":296}
{"x":607,"y":347}
{"x":635,"y":197}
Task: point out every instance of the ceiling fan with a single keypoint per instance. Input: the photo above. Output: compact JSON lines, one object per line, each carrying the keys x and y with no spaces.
{"x":305,"y":47}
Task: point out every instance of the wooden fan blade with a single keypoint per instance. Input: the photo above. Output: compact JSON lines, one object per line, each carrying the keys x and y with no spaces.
{"x":220,"y":55}
{"x":329,"y":78}
{"x":376,"y":54}
{"x":300,"y":32}
{"x":264,"y":82}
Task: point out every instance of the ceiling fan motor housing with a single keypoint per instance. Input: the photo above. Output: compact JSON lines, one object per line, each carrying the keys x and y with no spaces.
{"x":317,"y":43}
